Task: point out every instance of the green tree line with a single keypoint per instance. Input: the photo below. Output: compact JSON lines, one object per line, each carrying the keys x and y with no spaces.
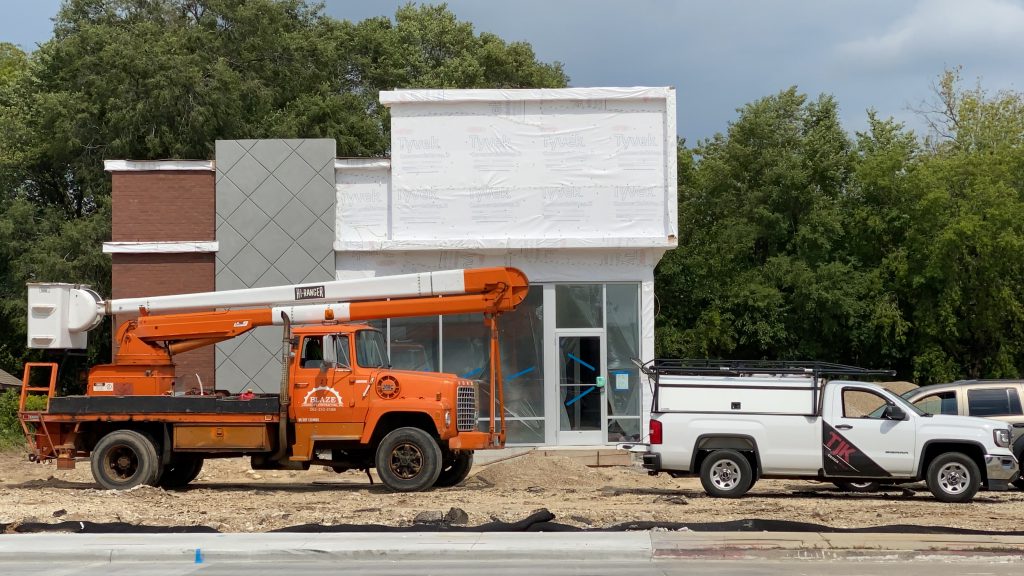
{"x":797,"y":239}
{"x":884,"y":249}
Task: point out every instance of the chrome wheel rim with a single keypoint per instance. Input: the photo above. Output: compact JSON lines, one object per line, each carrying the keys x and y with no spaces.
{"x":725,"y":475}
{"x":954,"y":478}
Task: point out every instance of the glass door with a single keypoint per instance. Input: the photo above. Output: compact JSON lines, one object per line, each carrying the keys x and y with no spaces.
{"x":581,"y":389}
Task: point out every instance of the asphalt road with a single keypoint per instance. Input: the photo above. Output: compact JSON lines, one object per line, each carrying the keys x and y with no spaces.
{"x":497,"y":567}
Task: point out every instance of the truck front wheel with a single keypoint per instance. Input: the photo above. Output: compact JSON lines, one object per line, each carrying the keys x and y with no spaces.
{"x":953,"y":477}
{"x":726,"y":474}
{"x":408,"y":460}
{"x":455,"y":469}
{"x":124,"y":459}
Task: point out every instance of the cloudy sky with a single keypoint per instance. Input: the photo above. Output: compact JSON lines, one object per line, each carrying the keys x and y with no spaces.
{"x":720,"y":54}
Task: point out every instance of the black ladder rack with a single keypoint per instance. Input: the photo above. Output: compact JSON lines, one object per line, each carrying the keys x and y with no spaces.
{"x":704,"y":367}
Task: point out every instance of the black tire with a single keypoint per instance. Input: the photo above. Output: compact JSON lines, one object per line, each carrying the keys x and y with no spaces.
{"x":455,"y":469}
{"x":862,"y":487}
{"x":953,"y":477}
{"x":1019,"y":482}
{"x":726,"y":474}
{"x":125,"y":459}
{"x":182,"y":469}
{"x":408,"y":460}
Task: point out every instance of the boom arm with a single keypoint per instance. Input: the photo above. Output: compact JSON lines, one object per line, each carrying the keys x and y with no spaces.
{"x":61,"y":315}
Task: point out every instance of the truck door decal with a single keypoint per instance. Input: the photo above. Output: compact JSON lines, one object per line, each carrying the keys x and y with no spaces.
{"x":842,"y":458}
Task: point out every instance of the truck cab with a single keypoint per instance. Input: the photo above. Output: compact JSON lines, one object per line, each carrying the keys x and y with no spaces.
{"x":737,"y":424}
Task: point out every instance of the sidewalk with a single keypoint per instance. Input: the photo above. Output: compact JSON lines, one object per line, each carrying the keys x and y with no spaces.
{"x":643,"y":546}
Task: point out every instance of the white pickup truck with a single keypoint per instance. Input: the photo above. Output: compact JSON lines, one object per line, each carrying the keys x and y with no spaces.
{"x":734,"y":422}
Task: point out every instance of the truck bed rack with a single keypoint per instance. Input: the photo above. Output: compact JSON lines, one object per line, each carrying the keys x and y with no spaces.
{"x":752,"y":373}
{"x":705,"y":367}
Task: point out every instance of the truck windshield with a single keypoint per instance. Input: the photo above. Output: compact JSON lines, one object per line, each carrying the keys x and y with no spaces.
{"x":371,"y":349}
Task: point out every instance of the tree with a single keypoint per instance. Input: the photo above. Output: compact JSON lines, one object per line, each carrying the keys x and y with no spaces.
{"x":764,"y":267}
{"x":155,"y":79}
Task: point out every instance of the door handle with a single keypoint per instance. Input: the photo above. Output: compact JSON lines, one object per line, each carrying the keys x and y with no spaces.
{"x":844,"y":427}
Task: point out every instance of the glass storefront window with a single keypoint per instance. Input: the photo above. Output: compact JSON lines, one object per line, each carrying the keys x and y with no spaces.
{"x":414,"y":343}
{"x":578,"y":305}
{"x":623,"y":329}
{"x":466,"y":346}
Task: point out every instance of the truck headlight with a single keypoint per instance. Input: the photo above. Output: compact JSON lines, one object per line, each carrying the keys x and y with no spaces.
{"x":448,"y":419}
{"x":1002,"y":437}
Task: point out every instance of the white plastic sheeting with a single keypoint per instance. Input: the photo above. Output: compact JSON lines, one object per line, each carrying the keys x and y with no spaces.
{"x":506,"y":169}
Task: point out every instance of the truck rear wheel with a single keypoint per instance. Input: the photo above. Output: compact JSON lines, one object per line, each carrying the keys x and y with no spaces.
{"x":124,"y":459}
{"x":953,"y":477}
{"x":182,"y":469}
{"x":408,"y":460}
{"x":455,"y":469}
{"x":726,"y":474}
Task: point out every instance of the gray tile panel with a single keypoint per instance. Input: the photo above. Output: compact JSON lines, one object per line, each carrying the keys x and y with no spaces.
{"x":275,"y":225}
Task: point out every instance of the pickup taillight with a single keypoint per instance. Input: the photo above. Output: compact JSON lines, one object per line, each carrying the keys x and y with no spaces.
{"x":655,"y":436}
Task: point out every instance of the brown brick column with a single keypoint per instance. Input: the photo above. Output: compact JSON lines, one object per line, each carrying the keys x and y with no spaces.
{"x":165,"y":206}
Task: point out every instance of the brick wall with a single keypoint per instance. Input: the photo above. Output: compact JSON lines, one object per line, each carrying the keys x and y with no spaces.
{"x":165,"y":206}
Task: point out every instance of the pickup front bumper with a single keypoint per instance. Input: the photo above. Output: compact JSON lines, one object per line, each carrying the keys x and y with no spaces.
{"x":1001,"y":471}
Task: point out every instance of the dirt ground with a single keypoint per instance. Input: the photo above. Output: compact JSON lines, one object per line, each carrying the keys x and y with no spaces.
{"x":229,"y":497}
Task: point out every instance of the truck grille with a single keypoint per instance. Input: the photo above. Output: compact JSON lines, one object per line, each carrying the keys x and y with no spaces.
{"x":466,"y":409}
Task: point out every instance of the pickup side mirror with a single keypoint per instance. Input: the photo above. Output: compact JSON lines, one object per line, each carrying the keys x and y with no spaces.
{"x":893,"y":412}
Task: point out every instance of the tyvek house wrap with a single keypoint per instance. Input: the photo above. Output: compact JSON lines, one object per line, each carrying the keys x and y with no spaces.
{"x":499,"y":169}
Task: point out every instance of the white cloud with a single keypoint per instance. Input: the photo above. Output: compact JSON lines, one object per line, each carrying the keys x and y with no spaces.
{"x":947,"y":31}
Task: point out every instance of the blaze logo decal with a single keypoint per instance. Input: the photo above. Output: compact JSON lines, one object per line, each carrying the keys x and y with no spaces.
{"x":322,"y":399}
{"x":843,"y":458}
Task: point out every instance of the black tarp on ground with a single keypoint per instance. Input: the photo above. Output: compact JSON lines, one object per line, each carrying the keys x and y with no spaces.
{"x":540,"y":521}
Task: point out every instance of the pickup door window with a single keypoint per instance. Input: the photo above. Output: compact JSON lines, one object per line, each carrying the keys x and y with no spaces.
{"x":939,"y":403}
{"x":988,"y":402}
{"x":859,"y":441}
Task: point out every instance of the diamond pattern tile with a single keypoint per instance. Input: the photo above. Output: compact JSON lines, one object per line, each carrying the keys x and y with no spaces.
{"x":270,"y":153}
{"x":228,"y":152}
{"x":269,"y":378}
{"x":248,"y":219}
{"x":247,"y":173}
{"x":229,"y":242}
{"x":230,"y":376}
{"x":318,"y":195}
{"x":317,"y":240}
{"x":271,"y":277}
{"x":271,"y":196}
{"x":295,"y":219}
{"x":229,"y":197}
{"x":270,"y":338}
{"x":249,"y":265}
{"x":250,"y":356}
{"x":275,"y":203}
{"x":294,"y":173}
{"x":272,"y":241}
{"x":295,"y":263}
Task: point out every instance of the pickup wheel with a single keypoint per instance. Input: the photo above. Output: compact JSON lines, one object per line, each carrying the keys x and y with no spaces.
{"x":953,"y":477}
{"x":726,"y":474}
{"x":408,"y":460}
{"x":125,"y":459}
{"x":863,"y":487}
{"x":456,"y":467}
{"x":182,"y":469}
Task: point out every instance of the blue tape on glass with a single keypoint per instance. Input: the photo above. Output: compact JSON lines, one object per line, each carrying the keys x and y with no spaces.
{"x":582,"y":394}
{"x":581,"y":362}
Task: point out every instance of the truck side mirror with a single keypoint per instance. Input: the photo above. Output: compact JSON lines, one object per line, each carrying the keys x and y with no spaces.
{"x":893,"y":412}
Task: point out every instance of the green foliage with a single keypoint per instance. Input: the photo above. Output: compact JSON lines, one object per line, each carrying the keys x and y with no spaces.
{"x":11,"y":434}
{"x":798,"y":242}
{"x":153,"y":79}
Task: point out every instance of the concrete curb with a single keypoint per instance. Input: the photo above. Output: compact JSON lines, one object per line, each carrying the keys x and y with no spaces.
{"x":583,"y":546}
